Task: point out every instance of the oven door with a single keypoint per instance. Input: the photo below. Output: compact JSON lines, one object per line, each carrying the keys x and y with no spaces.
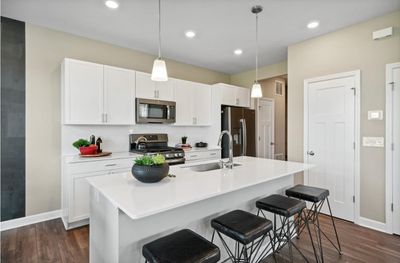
{"x":155,"y":111}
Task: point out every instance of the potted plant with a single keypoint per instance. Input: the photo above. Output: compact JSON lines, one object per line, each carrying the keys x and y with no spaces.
{"x":150,"y":169}
{"x":85,"y":147}
{"x":184,"y":138}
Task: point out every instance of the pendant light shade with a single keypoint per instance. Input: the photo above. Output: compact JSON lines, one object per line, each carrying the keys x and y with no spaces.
{"x":256,"y":91}
{"x":159,"y":72}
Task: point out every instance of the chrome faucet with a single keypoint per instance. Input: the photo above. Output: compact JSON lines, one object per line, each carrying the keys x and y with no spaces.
{"x":228,"y":164}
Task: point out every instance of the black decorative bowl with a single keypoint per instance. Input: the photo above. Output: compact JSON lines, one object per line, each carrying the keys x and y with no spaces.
{"x":150,"y":174}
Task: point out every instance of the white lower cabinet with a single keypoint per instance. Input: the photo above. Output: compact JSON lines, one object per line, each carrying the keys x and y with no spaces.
{"x":202,"y":155}
{"x":75,"y":199}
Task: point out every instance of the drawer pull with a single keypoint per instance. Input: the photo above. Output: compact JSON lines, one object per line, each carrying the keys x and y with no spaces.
{"x":213,"y":153}
{"x":193,"y":155}
{"x":111,"y":164}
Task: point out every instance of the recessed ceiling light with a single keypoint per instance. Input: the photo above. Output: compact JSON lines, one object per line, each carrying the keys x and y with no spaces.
{"x":313,"y":24}
{"x":111,"y":4}
{"x":190,"y":34}
{"x":238,"y":51}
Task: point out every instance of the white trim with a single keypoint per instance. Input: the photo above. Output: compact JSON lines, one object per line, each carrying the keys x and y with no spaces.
{"x":372,"y":224}
{"x":357,"y":85}
{"x":389,"y":160}
{"x":28,"y":220}
{"x":257,"y":123}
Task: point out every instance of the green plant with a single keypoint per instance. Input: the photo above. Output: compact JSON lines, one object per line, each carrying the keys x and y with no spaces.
{"x":81,"y":143}
{"x":150,"y":160}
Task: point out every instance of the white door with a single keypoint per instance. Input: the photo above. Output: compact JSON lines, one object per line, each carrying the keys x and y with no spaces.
{"x":330,"y":111}
{"x":393,"y":151}
{"x":83,"y":92}
{"x":119,"y":95}
{"x":265,"y":128}
{"x":145,"y":87}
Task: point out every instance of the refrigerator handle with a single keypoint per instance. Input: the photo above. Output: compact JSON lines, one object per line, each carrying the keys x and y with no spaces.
{"x":244,"y":138}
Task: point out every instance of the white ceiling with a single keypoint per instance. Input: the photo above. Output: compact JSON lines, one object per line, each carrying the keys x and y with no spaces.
{"x":221,"y":25}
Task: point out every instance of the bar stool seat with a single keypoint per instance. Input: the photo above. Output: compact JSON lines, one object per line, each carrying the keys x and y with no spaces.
{"x":308,"y":193}
{"x":242,"y":226}
{"x":281,"y":205}
{"x":184,"y":246}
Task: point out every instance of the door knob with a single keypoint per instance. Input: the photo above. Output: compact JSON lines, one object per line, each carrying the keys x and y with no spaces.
{"x":311,"y":153}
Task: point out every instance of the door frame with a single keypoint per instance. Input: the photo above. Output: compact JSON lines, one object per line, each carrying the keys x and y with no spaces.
{"x":389,"y":175}
{"x":357,"y":84}
{"x":258,"y":121}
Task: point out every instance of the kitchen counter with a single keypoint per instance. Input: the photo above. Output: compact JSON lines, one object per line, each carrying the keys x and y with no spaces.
{"x":202,"y":149}
{"x":126,"y":213}
{"x":115,"y":155}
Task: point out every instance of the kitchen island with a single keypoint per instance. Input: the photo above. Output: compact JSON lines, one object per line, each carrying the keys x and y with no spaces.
{"x":125,"y":213}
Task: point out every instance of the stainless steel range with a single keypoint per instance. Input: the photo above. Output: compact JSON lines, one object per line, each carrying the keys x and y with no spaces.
{"x":151,"y":144}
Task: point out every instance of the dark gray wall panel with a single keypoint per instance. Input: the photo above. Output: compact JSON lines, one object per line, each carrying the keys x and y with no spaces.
{"x":12,"y":119}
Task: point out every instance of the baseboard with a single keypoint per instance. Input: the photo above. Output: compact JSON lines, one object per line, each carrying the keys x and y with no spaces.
{"x":28,"y":220}
{"x":373,"y":224}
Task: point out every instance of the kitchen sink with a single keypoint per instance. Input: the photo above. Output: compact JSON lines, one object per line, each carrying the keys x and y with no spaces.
{"x":208,"y":167}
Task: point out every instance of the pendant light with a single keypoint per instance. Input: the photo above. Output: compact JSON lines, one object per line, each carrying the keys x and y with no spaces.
{"x":159,"y":72}
{"x":256,"y":91}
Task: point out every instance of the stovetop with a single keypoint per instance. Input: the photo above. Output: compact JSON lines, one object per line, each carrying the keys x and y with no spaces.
{"x":158,"y":150}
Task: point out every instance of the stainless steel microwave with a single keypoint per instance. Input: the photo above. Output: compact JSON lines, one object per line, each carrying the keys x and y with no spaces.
{"x":155,"y":111}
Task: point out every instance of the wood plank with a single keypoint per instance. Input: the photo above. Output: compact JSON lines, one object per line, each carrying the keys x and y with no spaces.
{"x":49,"y":242}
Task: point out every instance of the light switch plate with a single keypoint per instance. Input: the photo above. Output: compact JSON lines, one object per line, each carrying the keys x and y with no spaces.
{"x":375,"y":115}
{"x":373,"y":141}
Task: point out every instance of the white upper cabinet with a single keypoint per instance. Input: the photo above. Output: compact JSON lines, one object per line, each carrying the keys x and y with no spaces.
{"x":97,"y":94}
{"x":83,"y":92}
{"x":242,"y":97}
{"x":193,"y":103}
{"x":119,"y":95}
{"x":183,"y":98}
{"x":148,"y":89}
{"x":234,"y":95}
{"x":202,"y":104}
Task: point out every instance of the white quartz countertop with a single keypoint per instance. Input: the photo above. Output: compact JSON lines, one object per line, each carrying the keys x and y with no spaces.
{"x":116,"y":155}
{"x":139,"y":200}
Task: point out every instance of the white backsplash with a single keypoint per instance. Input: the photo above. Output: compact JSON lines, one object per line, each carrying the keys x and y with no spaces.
{"x":115,"y":138}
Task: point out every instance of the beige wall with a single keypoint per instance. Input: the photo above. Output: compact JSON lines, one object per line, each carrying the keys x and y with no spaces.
{"x":45,"y":49}
{"x":246,"y":79}
{"x":348,"y":49}
{"x":268,"y":89}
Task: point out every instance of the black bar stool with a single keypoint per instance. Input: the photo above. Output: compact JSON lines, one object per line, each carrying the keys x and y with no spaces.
{"x":184,"y":246}
{"x":249,"y":231}
{"x":317,"y":196}
{"x":285,"y":207}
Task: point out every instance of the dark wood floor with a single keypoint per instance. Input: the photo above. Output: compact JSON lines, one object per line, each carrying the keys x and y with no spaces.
{"x":49,"y":242}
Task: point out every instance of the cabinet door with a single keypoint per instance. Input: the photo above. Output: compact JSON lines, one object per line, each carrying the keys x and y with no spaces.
{"x":83,"y":92}
{"x":183,"y":96}
{"x":202,"y":102}
{"x":79,"y":205}
{"x":80,"y":194}
{"x":242,"y":97}
{"x":145,"y":87}
{"x":165,"y":90}
{"x":228,"y":95}
{"x":119,"y":95}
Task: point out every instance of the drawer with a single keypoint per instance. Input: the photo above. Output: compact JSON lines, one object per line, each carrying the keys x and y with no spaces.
{"x":198,"y":155}
{"x":103,"y":165}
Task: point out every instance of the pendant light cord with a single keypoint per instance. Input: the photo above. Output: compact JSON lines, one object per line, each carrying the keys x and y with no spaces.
{"x":159,"y":29}
{"x":256,"y":80}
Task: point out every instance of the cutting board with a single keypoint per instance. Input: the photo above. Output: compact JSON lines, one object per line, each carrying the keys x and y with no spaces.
{"x":102,"y":154}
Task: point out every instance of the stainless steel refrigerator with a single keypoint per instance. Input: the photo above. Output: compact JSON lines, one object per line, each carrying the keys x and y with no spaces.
{"x":241,"y":123}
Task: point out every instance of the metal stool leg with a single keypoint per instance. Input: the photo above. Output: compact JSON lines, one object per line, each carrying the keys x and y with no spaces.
{"x":334,"y":227}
